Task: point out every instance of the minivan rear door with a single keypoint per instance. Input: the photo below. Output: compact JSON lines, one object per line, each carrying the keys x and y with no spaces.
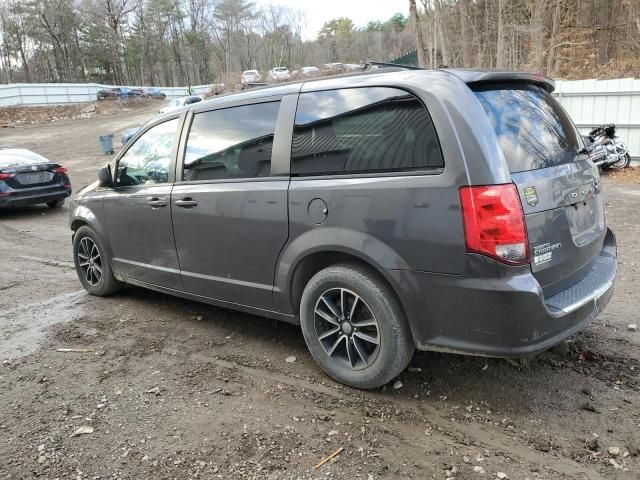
{"x":559,"y":187}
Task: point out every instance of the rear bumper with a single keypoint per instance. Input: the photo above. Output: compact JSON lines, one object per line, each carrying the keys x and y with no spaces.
{"x":19,"y":199}
{"x":498,"y":310}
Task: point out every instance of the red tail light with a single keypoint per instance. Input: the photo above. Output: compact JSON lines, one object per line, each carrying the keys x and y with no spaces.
{"x":4,"y":176}
{"x":494,"y":223}
{"x":59,"y":170}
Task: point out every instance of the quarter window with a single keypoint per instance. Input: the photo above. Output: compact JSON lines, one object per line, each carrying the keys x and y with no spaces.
{"x":362,"y":130}
{"x":147,"y":161}
{"x":233,"y":142}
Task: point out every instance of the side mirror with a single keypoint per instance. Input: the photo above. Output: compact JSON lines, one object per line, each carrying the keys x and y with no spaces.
{"x":104,"y":177}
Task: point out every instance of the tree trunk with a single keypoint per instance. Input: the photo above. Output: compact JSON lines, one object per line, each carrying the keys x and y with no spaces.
{"x":465,"y":30}
{"x":551,"y":53}
{"x":500,"y":54}
{"x":442,"y":35}
{"x":536,"y":33}
{"x":602,"y":33}
{"x":413,"y":12}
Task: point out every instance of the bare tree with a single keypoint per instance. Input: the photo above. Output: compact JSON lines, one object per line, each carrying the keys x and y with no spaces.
{"x":500,"y":43}
{"x":466,"y":33}
{"x":176,"y":42}
{"x":413,"y":13}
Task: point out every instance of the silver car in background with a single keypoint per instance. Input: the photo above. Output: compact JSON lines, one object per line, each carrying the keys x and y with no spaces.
{"x":310,"y":71}
{"x":250,"y":76}
{"x":279,"y":74}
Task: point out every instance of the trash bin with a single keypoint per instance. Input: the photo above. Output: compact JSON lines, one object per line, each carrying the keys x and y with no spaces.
{"x":106,"y":144}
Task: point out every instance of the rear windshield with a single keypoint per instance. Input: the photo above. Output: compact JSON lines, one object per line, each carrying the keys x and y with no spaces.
{"x":18,"y":157}
{"x":533,"y":129}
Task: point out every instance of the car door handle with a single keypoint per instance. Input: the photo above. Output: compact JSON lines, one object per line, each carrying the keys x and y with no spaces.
{"x":155,"y":202}
{"x":187,"y":202}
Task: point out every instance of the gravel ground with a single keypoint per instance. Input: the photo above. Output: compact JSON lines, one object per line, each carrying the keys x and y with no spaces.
{"x":159,"y":387}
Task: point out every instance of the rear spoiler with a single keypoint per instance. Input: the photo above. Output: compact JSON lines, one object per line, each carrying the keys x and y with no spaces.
{"x":482,"y":77}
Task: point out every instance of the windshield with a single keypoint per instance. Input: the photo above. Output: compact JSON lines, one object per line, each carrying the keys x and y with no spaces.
{"x":280,"y":69}
{"x":533,"y":129}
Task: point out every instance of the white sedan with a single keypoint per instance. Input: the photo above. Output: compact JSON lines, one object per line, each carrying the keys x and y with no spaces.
{"x":279,"y":74}
{"x":250,"y":76}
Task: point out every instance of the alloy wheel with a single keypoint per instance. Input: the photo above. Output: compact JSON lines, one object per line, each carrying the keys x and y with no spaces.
{"x":347,"y":328}
{"x":90,"y":261}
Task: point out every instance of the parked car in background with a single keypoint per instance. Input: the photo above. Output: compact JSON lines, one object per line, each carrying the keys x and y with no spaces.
{"x":179,"y":103}
{"x":310,"y":71}
{"x":153,"y":92}
{"x":279,"y":74}
{"x":449,"y":210}
{"x":105,"y":93}
{"x":136,"y":92}
{"x":128,"y":134}
{"x":333,"y":68}
{"x":352,"y":67}
{"x":250,"y":76}
{"x":27,"y":178}
{"x":126,"y":92}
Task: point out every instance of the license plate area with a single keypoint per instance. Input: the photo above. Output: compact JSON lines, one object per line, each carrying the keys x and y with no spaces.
{"x":586,"y":219}
{"x":33,"y":178}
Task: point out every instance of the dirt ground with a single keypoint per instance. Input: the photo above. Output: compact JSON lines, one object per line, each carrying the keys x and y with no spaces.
{"x":169,"y":388}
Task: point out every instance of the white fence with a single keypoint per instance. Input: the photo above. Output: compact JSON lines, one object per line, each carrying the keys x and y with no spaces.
{"x":589,"y":102}
{"x":59,"y":93}
{"x":594,"y":102}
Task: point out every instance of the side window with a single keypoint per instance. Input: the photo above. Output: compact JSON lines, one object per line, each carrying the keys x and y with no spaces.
{"x":147,"y":161}
{"x":233,"y":142}
{"x":362,"y":130}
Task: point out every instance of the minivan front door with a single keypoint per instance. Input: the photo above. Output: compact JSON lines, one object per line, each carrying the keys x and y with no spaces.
{"x":229,"y":212}
{"x":138,"y":213}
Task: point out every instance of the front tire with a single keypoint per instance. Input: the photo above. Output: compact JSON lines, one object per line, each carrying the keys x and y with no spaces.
{"x":354,"y":326}
{"x":92,"y":263}
{"x":625,"y":162}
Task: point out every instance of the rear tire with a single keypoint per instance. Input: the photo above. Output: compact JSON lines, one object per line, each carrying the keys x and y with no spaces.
{"x":93,"y":266}
{"x":363,"y":347}
{"x":56,"y":203}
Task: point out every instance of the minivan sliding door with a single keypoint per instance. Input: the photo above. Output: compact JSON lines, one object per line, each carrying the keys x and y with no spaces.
{"x":230,"y":205}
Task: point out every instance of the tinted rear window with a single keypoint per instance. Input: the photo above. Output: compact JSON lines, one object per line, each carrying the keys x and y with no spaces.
{"x":363,"y":130}
{"x":533,"y":129}
{"x":18,"y":157}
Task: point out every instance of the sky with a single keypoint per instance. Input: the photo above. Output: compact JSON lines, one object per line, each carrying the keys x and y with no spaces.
{"x":317,"y":12}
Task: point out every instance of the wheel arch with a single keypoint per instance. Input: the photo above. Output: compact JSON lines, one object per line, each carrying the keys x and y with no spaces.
{"x":289,"y":293}
{"x":83,"y":216}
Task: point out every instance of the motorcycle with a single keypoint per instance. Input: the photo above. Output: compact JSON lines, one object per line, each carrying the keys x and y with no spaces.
{"x":606,"y":149}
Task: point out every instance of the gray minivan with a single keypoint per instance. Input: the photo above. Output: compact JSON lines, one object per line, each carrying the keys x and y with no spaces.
{"x":449,"y":210}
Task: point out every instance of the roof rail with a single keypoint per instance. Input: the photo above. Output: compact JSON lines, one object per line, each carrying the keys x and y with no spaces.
{"x":369,"y":66}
